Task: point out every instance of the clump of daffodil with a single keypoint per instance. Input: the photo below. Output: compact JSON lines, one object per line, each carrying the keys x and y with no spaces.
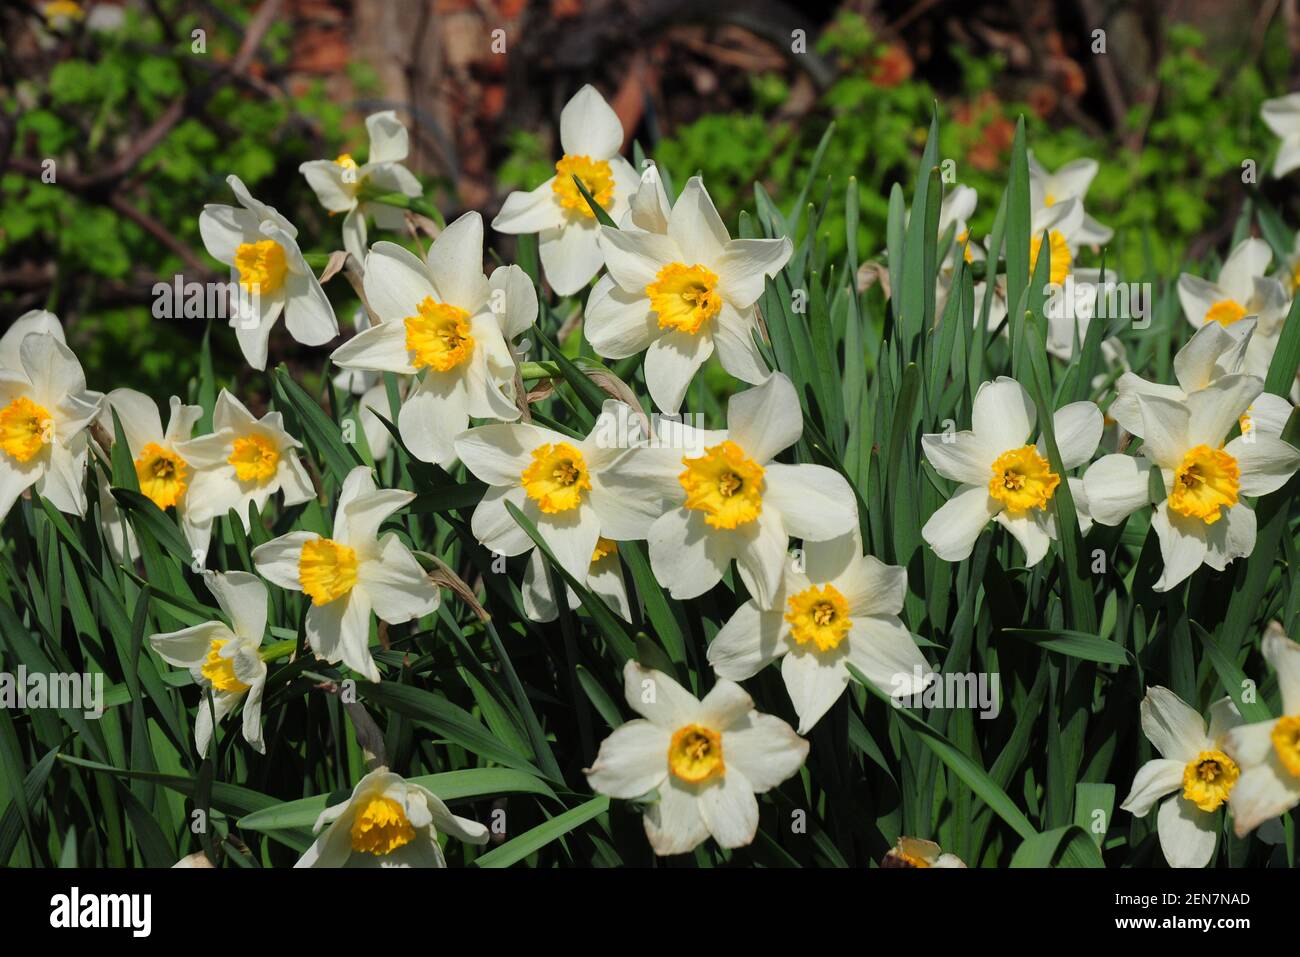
{"x":343,"y":186}
{"x":45,"y":409}
{"x":445,"y":321}
{"x":591,"y":136}
{"x":261,"y":248}
{"x":1268,"y":752}
{"x":834,"y":608}
{"x":387,"y":822}
{"x":162,"y":472}
{"x":223,"y":659}
{"x":1203,"y":518}
{"x":1192,"y":770}
{"x":1004,"y":478}
{"x":353,"y":573}
{"x":682,"y":294}
{"x":730,"y":500}
{"x":696,"y":763}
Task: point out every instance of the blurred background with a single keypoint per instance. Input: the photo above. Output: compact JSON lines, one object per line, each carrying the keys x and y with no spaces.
{"x":143,"y":126}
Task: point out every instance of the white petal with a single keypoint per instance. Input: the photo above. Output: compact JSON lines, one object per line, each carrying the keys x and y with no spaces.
{"x":674,"y":824}
{"x":1030,"y":529}
{"x":399,"y":589}
{"x":658,"y":698}
{"x":189,"y":647}
{"x":1261,"y":794}
{"x":1284,"y":655}
{"x":696,"y":226}
{"x":571,"y":255}
{"x":733,"y":337}
{"x":1003,"y":416}
{"x":1187,"y":834}
{"x":433,"y":416}
{"x":815,"y":501}
{"x":960,"y":456}
{"x":396,"y":282}
{"x":687,"y":556}
{"x":671,"y":362}
{"x":765,"y":749}
{"x":730,"y":810}
{"x":885,"y":652}
{"x":1182,"y":545}
{"x":589,"y":126}
{"x":813,"y":685}
{"x":1175,"y":728}
{"x":1231,"y":537}
{"x":745,"y":266}
{"x":277,"y":560}
{"x":761,"y":556}
{"x":1116,"y":486}
{"x":634,"y":259}
{"x":747,"y":642}
{"x":389,"y":142}
{"x":1154,"y":780}
{"x":1164,"y":429}
{"x":243,"y":598}
{"x":530,"y":212}
{"x":1267,"y":463}
{"x":498,"y":454}
{"x":618,"y":323}
{"x":952,"y":530}
{"x":766,"y":419}
{"x":632,"y":761}
{"x":495,"y":528}
{"x":456,"y":263}
{"x":1078,"y":428}
{"x":1213,"y":411}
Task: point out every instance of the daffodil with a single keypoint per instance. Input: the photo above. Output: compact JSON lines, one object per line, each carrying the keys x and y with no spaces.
{"x":1203,"y":518}
{"x":261,"y":248}
{"x":342,"y":186}
{"x":1268,"y":752}
{"x":244,"y":459}
{"x":1004,"y":478}
{"x":351,"y":574}
{"x":705,"y":759}
{"x":223,"y":659}
{"x":444,"y":319}
{"x":729,"y":500}
{"x":682,"y":294}
{"x":1058,"y":229}
{"x":1282,"y":116}
{"x":604,"y":580}
{"x":911,"y":852}
{"x":1192,"y":770}
{"x":591,"y":136}
{"x":1069,"y":182}
{"x":161,"y":470}
{"x":1243,"y":289}
{"x":840,"y":608}
{"x":45,"y":409}
{"x":1267,"y":415}
{"x":387,"y":822}
{"x":1071,"y":308}
{"x":575,"y":491}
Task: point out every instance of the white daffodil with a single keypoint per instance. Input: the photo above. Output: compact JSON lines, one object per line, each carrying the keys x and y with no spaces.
{"x":45,"y":409}
{"x":732,"y":501}
{"x":649,"y":209}
{"x":387,"y":822}
{"x":681,"y":294}
{"x":604,"y":579}
{"x":1061,"y":227}
{"x":1192,"y":769}
{"x":244,"y":459}
{"x":1208,"y":356}
{"x":707,"y":759}
{"x":224,"y":658}
{"x":1071,"y":181}
{"x":573,"y":490}
{"x":1243,"y":289}
{"x":1202,"y":520}
{"x":591,"y":136}
{"x":260,"y":246}
{"x":341,"y":185}
{"x":372,"y":397}
{"x":352,"y":573}
{"x":841,"y":608}
{"x":443,"y":318}
{"x":35,"y":321}
{"x":1268,"y":752}
{"x":914,"y":852}
{"x":1282,"y":116}
{"x":1004,"y":478}
{"x":954,"y":212}
{"x":162,"y":471}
